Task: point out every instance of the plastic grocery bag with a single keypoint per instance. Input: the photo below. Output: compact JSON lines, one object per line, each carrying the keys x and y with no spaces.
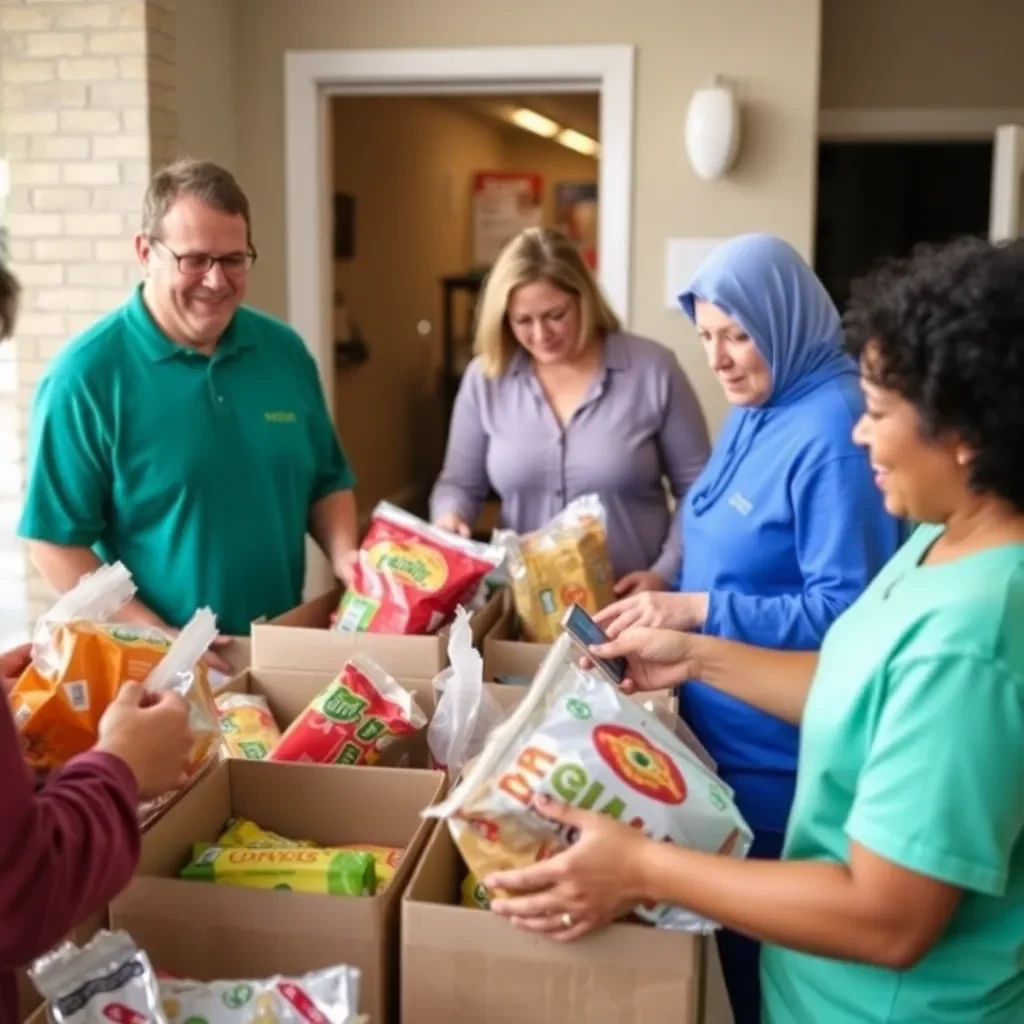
{"x":576,"y":739}
{"x":465,"y":713}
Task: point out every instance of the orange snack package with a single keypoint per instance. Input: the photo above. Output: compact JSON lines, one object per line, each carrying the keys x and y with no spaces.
{"x":80,"y":660}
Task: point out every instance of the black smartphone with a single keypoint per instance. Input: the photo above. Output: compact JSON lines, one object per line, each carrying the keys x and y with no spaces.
{"x":587,"y":633}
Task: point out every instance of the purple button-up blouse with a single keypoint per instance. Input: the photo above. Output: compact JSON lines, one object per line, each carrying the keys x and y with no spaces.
{"x":639,"y":424}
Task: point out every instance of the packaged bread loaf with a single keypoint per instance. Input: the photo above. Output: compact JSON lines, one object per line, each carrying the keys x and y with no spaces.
{"x":563,"y":563}
{"x":577,"y":740}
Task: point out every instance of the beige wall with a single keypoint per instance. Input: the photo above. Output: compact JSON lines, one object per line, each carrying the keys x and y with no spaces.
{"x":906,"y":54}
{"x":408,"y":162}
{"x":207,"y":40}
{"x":770,"y":49}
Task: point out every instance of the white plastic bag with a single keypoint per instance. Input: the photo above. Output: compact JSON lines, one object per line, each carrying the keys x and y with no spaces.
{"x":465,"y":713}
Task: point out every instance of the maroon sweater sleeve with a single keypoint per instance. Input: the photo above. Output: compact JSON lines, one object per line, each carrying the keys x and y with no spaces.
{"x":65,"y":850}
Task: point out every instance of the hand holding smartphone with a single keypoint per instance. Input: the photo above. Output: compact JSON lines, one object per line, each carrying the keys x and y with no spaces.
{"x":586,"y":633}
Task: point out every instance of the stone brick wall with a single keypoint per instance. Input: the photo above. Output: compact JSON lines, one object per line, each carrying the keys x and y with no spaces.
{"x":87,"y":112}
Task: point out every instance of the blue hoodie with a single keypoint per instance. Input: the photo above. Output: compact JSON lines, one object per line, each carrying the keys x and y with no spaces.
{"x":784,"y":528}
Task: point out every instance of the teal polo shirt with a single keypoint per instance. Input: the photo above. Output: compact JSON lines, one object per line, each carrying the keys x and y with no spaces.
{"x":197,"y":473}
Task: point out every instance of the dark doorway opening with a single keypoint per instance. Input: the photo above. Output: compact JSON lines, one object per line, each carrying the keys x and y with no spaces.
{"x":878,"y":199}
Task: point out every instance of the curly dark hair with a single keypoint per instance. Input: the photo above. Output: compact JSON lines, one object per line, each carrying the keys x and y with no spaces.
{"x":9,"y":292}
{"x":944,"y":328}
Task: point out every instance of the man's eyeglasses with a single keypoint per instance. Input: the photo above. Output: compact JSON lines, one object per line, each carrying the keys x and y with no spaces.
{"x":194,"y":264}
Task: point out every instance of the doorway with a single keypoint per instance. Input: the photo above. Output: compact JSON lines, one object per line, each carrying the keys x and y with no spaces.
{"x":312,"y":77}
{"x":880,"y":199}
{"x":427,"y":191}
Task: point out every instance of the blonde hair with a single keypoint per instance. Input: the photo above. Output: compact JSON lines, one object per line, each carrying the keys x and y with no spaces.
{"x":536,"y":254}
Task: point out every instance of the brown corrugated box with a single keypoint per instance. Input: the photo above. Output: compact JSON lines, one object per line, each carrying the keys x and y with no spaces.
{"x":301,"y":639}
{"x":207,"y":931}
{"x":462,"y":964}
{"x":505,"y":652}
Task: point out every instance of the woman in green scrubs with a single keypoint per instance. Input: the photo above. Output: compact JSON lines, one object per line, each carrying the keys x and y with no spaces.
{"x":900,"y":898}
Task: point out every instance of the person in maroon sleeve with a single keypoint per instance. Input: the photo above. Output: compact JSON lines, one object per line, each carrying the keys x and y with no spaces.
{"x":67,"y":849}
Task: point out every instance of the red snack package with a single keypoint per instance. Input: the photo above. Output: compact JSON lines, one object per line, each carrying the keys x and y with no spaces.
{"x":352,"y":720}
{"x":411,"y":576}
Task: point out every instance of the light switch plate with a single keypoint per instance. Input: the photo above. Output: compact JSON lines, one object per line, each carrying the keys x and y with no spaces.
{"x":682,"y":258}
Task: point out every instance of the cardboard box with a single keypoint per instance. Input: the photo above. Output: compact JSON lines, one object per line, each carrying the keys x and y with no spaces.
{"x":207,"y":931}
{"x":302,"y":639}
{"x":461,"y":964}
{"x":505,"y":652}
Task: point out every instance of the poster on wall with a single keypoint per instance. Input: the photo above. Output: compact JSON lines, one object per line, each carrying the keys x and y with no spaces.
{"x":576,"y":215}
{"x":504,"y":203}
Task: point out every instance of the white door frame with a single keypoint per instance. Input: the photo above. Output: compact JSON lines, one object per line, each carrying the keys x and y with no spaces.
{"x":911,"y":125}
{"x":311,"y":76}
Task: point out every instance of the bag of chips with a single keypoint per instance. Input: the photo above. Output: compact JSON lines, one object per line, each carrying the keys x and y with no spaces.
{"x":411,"y":576}
{"x":80,"y":660}
{"x":563,"y":563}
{"x":111,"y":980}
{"x":576,"y":739}
{"x":465,"y":713}
{"x":352,"y":720}
{"x":248,"y":727}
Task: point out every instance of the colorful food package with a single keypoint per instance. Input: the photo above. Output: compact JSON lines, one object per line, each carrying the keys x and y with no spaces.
{"x":248,"y":727}
{"x":352,"y":720}
{"x":411,"y":576}
{"x":465,"y":713}
{"x":111,"y":980}
{"x":331,"y":872}
{"x":243,"y":832}
{"x":80,"y":660}
{"x":563,"y":563}
{"x":474,"y":895}
{"x":576,"y":739}
{"x":386,"y":859}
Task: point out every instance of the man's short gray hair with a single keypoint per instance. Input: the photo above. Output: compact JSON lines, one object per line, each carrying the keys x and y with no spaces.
{"x":201,"y":179}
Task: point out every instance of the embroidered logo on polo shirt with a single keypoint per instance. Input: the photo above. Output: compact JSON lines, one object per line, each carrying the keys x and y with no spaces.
{"x":742,"y":505}
{"x":277,"y":416}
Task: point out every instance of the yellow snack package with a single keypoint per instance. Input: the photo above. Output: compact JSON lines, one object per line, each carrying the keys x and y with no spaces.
{"x":243,"y":832}
{"x":248,"y":727}
{"x":577,"y":740}
{"x":563,"y":563}
{"x":80,"y":660}
{"x":331,"y":872}
{"x":386,"y":859}
{"x":474,"y":895}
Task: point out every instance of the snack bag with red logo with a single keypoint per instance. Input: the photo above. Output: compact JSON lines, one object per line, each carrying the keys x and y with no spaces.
{"x":577,"y":740}
{"x":352,"y":720}
{"x":108,"y":979}
{"x":563,"y":563}
{"x":411,"y":576}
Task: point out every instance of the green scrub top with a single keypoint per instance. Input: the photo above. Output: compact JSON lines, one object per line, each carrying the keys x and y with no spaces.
{"x":912,"y":745}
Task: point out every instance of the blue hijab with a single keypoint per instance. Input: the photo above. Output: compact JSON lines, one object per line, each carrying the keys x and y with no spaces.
{"x":766,"y":286}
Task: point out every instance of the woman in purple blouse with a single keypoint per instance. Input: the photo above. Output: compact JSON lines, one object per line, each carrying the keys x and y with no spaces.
{"x":561,"y":402}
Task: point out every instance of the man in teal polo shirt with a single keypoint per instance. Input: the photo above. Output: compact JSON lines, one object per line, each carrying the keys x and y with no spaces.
{"x":186,"y":434}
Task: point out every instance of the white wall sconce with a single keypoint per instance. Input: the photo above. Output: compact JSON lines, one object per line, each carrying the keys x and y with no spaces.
{"x":713,"y":129}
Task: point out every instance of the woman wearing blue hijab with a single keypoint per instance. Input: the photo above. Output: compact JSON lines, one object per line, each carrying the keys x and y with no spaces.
{"x":783,"y":530}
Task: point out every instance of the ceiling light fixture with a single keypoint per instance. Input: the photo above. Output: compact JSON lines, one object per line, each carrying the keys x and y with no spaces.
{"x":578,"y":141}
{"x":536,"y":123}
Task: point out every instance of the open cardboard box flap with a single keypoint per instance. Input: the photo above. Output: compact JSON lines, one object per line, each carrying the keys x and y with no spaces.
{"x":302,"y":639}
{"x":209,"y":931}
{"x":467,"y":964}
